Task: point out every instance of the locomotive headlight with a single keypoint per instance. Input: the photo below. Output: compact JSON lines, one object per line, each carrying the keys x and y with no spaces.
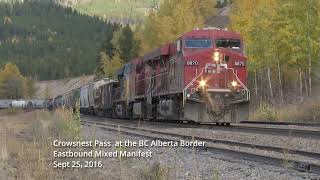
{"x":202,"y":83}
{"x":216,"y":56}
{"x":234,"y":83}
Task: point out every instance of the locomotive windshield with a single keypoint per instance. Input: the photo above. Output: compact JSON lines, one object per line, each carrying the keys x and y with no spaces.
{"x":198,"y":43}
{"x":228,"y":43}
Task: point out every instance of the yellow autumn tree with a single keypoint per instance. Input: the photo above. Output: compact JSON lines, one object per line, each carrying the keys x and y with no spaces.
{"x":11,"y":82}
{"x":110,"y":65}
{"x":281,"y":39}
{"x":174,"y":18}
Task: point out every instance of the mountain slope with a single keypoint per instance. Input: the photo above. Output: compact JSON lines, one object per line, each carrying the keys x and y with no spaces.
{"x":48,"y":41}
{"x":125,"y":11}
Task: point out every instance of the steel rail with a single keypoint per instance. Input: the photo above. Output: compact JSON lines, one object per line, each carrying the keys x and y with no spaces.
{"x":312,"y":124}
{"x":289,"y":132}
{"x":298,"y":165}
{"x":310,"y":134}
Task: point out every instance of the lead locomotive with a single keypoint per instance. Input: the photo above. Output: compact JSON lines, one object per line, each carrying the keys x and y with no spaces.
{"x":202,"y":77}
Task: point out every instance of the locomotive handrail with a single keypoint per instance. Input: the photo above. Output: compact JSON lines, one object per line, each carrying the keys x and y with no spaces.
{"x":152,"y":77}
{"x":241,"y":83}
{"x":193,"y":80}
{"x":190,"y":83}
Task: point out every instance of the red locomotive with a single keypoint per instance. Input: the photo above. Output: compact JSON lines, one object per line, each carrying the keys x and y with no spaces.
{"x":202,"y":77}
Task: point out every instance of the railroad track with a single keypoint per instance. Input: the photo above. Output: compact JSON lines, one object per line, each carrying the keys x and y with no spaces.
{"x":313,"y":134}
{"x":301,"y":165}
{"x":301,"y":133}
{"x":312,"y":124}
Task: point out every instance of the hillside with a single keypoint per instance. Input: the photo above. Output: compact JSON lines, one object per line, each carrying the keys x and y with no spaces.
{"x":53,"y":88}
{"x":48,"y":41}
{"x":125,"y":11}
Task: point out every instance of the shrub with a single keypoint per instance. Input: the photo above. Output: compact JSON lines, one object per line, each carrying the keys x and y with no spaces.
{"x":265,"y":113}
{"x":67,"y":123}
{"x":11,"y":111}
{"x":155,"y":172}
{"x":309,"y":110}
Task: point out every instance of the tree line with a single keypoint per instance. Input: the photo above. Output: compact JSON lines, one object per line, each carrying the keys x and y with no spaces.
{"x":282,"y":45}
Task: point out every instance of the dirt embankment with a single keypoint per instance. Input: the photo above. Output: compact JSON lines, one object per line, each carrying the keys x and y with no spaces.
{"x":53,"y":88}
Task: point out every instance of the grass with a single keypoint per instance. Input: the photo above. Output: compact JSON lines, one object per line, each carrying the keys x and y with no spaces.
{"x":307,"y":111}
{"x":265,"y":112}
{"x":155,"y":172}
{"x":29,"y":156}
{"x":216,"y":174}
{"x":10,"y":111}
{"x":132,"y":9}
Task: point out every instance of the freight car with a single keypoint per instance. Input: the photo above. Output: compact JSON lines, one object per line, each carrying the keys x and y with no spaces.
{"x":21,"y":104}
{"x":5,"y":104}
{"x":96,"y":98}
{"x":86,"y":99}
{"x":202,"y":77}
{"x":37,"y":104}
{"x":58,"y":101}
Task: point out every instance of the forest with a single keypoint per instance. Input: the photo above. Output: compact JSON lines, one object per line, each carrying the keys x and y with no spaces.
{"x":47,"y":41}
{"x":282,"y":45}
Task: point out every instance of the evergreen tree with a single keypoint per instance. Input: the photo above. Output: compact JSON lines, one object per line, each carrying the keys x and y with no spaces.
{"x":48,"y":41}
{"x":128,"y":47}
{"x":124,"y":49}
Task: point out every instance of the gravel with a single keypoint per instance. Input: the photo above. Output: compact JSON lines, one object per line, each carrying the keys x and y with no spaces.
{"x":296,"y":143}
{"x":185,"y":163}
{"x":303,"y":144}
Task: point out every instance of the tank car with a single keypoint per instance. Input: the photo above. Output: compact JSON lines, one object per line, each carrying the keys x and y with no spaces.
{"x":19,"y":104}
{"x":5,"y":104}
{"x":38,"y":104}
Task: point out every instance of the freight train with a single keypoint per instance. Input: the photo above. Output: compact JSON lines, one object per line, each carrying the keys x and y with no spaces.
{"x":202,"y":77}
{"x":24,"y":104}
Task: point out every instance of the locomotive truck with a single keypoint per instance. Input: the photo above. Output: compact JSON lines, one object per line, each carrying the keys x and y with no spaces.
{"x":202,"y":77}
